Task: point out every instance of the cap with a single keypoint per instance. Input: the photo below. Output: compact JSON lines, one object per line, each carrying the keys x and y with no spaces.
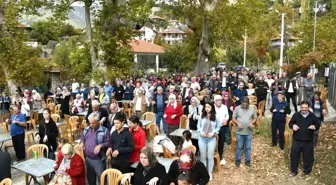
{"x":298,"y":73}
{"x":280,"y":92}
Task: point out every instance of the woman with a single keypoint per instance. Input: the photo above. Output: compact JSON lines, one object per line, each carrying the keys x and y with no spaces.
{"x":58,"y":96}
{"x":208,"y":127}
{"x":37,"y":100}
{"x":48,"y":133}
{"x":207,"y":98}
{"x":25,"y":108}
{"x":188,"y":163}
{"x":69,"y":170}
{"x":318,"y":108}
{"x":149,"y":171}
{"x":139,"y":137}
{"x":231,"y":105}
{"x":195,"y":111}
{"x":66,"y":95}
{"x":172,"y":114}
{"x":186,"y":102}
{"x":78,"y":105}
{"x":128,"y":95}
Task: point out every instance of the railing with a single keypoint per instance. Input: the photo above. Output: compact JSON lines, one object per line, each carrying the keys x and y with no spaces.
{"x":332,"y":87}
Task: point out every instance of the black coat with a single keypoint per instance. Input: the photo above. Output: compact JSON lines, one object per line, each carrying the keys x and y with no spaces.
{"x":158,"y":171}
{"x":155,"y":99}
{"x":50,"y":129}
{"x":199,"y":174}
{"x":124,"y":143}
{"x":119,"y":92}
{"x":5,"y":165}
{"x":294,"y":83}
{"x":261,"y":88}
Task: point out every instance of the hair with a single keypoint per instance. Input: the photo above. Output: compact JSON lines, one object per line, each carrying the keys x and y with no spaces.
{"x":95,"y":102}
{"x":62,"y":140}
{"x":212,"y":113}
{"x":120,"y":116}
{"x":67,"y":149}
{"x":148,"y":151}
{"x":304,"y":102}
{"x":187,"y":135}
{"x":94,"y":116}
{"x":135,"y":119}
{"x":185,"y":176}
{"x":318,"y":93}
{"x":246,"y":100}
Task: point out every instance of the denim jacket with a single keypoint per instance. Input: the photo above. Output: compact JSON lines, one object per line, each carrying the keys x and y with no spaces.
{"x":214,"y":124}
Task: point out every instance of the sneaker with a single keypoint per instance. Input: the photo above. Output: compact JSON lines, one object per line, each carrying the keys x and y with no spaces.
{"x":210,"y":175}
{"x":292,"y":174}
{"x":223,"y":162}
{"x":248,"y":164}
{"x":237,"y":163}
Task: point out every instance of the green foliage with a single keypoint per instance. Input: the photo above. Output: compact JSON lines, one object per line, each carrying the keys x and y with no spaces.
{"x":73,"y":58}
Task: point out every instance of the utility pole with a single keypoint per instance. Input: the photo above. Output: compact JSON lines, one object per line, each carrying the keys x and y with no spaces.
{"x":282,"y":42}
{"x":314,"y":39}
{"x":245,"y":38}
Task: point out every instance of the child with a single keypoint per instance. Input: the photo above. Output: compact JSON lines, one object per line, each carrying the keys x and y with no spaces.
{"x":186,"y":140}
{"x":184,"y":178}
{"x":61,"y":142}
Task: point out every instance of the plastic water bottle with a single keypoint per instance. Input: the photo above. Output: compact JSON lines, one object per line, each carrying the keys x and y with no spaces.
{"x":35,"y":155}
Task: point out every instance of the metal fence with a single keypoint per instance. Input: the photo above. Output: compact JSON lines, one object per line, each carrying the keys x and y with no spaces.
{"x":332,"y":87}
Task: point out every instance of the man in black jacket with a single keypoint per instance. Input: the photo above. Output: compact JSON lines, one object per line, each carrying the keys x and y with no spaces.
{"x":121,"y":145}
{"x":159,"y":106}
{"x":291,"y":88}
{"x":261,"y":89}
{"x":118,"y":92}
{"x":303,"y":123}
{"x":5,"y":165}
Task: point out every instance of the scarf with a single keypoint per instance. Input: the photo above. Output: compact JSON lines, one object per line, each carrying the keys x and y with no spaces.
{"x":187,"y":160}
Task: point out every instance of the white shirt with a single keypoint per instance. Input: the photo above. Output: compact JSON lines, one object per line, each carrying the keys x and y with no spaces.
{"x":222,"y":113}
{"x":186,"y":144}
{"x":186,"y":92}
{"x":138,"y":104}
{"x":195,"y":86}
{"x":290,"y":88}
{"x":25,"y":109}
{"x":269,"y":82}
{"x":224,"y":82}
{"x":74,"y":87}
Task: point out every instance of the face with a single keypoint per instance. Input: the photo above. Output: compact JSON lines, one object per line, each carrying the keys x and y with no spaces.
{"x":16,"y":110}
{"x":132,"y":125}
{"x":46,"y":114}
{"x":67,"y":156}
{"x":160,"y":91}
{"x":316,"y":96}
{"x":284,"y":75}
{"x":114,"y":108}
{"x":218,"y":102}
{"x":144,"y":160}
{"x":304,"y":108}
{"x":226,"y":97}
{"x":208,"y":108}
{"x":172,"y":100}
{"x":95,"y":108}
{"x":280,"y":97}
{"x":193,"y":103}
{"x":78,"y":97}
{"x":245,"y":105}
{"x":269,"y":76}
{"x":118,"y":124}
{"x":182,"y":182}
{"x":241,"y":86}
{"x":137,"y":84}
{"x":93,"y":123}
{"x":171,"y":89}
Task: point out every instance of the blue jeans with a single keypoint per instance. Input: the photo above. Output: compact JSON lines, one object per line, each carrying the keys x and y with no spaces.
{"x":246,"y":142}
{"x":207,"y":146}
{"x":159,"y":117}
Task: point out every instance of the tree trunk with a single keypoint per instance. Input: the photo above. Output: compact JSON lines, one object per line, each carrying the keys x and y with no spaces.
{"x":202,"y":64}
{"x":12,"y":86}
{"x":94,"y":63}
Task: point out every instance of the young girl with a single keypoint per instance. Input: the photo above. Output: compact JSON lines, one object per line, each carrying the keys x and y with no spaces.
{"x":186,"y":140}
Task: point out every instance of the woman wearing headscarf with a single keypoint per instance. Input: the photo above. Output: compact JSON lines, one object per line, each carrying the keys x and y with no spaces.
{"x":48,"y":132}
{"x":66,"y":95}
{"x":37,"y":100}
{"x":149,"y":171}
{"x":195,"y":111}
{"x":208,"y":126}
{"x":70,"y":169}
{"x":172,"y":114}
{"x":186,"y":102}
{"x":188,"y":163}
{"x":78,"y":105}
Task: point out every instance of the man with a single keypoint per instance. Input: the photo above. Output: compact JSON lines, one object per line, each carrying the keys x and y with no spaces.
{"x":159,"y":105}
{"x":240,"y":93}
{"x":261,"y":88}
{"x":108,"y":89}
{"x":283,"y":79}
{"x":213,"y":84}
{"x":222,"y":115}
{"x":244,"y":117}
{"x":17,"y":130}
{"x":224,"y":84}
{"x":303,"y":123}
{"x":101,"y":112}
{"x":137,"y":88}
{"x":204,"y":81}
{"x":194,"y":84}
{"x":5,"y":102}
{"x":269,"y":82}
{"x":185,"y":90}
{"x":309,"y":85}
{"x":280,"y":109}
{"x":140,"y":103}
{"x":74,"y":88}
{"x":251,"y":77}
{"x":95,"y":89}
{"x":95,"y":140}
{"x":291,"y":88}
{"x":118,"y":91}
{"x":233,"y":81}
{"x":244,"y":77}
{"x":300,"y":92}
{"x":275,"y":88}
{"x":114,"y":109}
{"x":5,"y":165}
{"x":160,"y":84}
{"x":121,"y":145}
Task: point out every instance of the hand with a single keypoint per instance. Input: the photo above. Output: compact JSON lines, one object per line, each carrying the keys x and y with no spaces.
{"x":312,"y":127}
{"x":115,"y":153}
{"x":224,"y":122}
{"x":274,"y":110}
{"x":324,"y":112}
{"x":153,"y":102}
{"x":55,"y":166}
{"x":173,"y":116}
{"x":127,"y":177}
{"x":153,"y":181}
{"x":231,"y":108}
{"x":203,"y":134}
{"x":165,"y":115}
{"x":211,"y":134}
{"x":109,"y":152}
{"x":237,"y":98}
{"x":189,"y":115}
{"x":7,"y":120}
{"x":101,"y":121}
{"x":295,"y":127}
{"x":37,"y":137}
{"x":251,"y":125}
{"x":282,"y":111}
{"x":97,"y":149}
{"x":166,"y":102}
{"x":306,"y":85}
{"x":240,"y":126}
{"x":45,"y":139}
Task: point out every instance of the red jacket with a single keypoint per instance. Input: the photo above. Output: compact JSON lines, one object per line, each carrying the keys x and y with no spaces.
{"x":59,"y":157}
{"x":76,"y":171}
{"x":169,"y":111}
{"x":139,"y":137}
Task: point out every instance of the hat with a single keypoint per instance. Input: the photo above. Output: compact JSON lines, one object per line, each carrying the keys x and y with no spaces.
{"x":297,"y":73}
{"x":280,"y":92}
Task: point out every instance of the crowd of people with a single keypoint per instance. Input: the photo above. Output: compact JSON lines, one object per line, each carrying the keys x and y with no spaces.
{"x":210,"y":102}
